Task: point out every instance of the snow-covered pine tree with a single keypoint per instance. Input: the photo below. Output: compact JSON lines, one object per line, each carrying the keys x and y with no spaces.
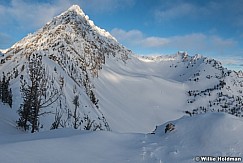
{"x":24,"y":110}
{"x":5,"y":91}
{"x":57,"y":120}
{"x":76,"y":116}
{"x":10,"y":98}
{"x":35,"y":96}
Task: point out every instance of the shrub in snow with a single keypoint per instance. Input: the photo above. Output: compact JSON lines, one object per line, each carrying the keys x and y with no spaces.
{"x":187,"y":112}
{"x":169,"y":127}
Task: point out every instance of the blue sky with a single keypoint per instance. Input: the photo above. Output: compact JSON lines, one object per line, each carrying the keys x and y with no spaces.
{"x":213,"y":28}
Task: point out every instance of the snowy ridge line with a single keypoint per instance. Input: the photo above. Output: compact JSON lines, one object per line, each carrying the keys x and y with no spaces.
{"x":78,"y":10}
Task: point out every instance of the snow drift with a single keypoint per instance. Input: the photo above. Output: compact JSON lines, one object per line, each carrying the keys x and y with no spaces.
{"x":212,"y":134}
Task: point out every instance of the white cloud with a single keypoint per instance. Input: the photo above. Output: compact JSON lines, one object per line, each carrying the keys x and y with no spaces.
{"x":195,"y":42}
{"x":154,"y":41}
{"x":231,"y":60}
{"x":137,"y":38}
{"x":234,"y":62}
{"x":32,"y":15}
{"x":120,"y":34}
{"x":201,"y":43}
{"x":209,"y":45}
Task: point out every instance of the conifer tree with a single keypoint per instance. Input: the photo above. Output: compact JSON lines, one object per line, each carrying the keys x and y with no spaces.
{"x":1,"y":89}
{"x":34,"y":94}
{"x":5,"y":91}
{"x":24,"y":110}
{"x":75,"y":115}
{"x":10,"y":97}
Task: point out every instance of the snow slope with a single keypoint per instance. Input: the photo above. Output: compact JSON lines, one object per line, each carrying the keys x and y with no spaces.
{"x":212,"y":134}
{"x":154,"y":90}
{"x":135,"y":99}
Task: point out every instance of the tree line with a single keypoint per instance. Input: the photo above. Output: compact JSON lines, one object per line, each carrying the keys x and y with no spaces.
{"x":5,"y":91}
{"x":38,"y":92}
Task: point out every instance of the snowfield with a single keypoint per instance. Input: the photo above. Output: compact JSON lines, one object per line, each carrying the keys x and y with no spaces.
{"x":212,"y":134}
{"x":138,"y":93}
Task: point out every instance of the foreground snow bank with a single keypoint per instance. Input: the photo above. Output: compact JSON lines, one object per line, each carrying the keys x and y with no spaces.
{"x":212,"y":134}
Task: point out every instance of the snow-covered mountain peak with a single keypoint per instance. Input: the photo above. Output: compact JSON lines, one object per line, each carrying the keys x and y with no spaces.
{"x":74,"y":51}
{"x":77,"y":9}
{"x":72,"y":22}
{"x":182,"y":54}
{"x":240,"y":74}
{"x":76,"y":13}
{"x":72,"y":30}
